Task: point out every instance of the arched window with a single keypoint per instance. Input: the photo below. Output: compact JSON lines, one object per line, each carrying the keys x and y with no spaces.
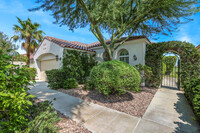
{"x":124,"y":56}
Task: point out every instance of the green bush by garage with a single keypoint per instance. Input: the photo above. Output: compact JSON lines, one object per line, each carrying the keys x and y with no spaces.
{"x":114,"y":77}
{"x":76,"y":68}
{"x":192,"y":92}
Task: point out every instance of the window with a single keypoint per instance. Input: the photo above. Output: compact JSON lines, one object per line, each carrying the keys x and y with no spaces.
{"x":124,"y":56}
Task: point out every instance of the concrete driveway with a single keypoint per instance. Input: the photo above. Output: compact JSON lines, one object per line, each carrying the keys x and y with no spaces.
{"x":168,"y":112}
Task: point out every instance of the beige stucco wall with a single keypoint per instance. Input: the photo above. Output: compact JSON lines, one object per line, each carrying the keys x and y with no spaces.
{"x":20,"y":63}
{"x":23,"y":63}
{"x":47,"y":51}
{"x":134,"y":47}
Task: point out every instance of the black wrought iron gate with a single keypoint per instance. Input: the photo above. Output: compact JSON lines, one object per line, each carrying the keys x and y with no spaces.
{"x":171,"y":79}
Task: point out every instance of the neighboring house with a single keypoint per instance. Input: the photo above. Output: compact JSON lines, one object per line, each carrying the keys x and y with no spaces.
{"x":198,"y":47}
{"x":21,"y":61}
{"x":49,"y":54}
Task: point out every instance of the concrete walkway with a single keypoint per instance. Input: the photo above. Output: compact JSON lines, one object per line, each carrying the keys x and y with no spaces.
{"x":168,"y":112}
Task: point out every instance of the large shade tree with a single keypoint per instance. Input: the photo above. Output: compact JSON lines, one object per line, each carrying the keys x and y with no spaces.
{"x":28,"y":32}
{"x":121,"y":17}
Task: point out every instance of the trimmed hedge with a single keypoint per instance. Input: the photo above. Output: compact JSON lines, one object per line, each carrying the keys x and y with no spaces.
{"x":76,"y":69}
{"x":70,"y":83}
{"x":78,"y":64}
{"x":56,"y":78}
{"x":192,"y":93}
{"x":114,"y":77}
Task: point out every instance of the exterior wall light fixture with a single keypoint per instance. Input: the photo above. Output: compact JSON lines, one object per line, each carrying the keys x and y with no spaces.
{"x":134,"y":57}
{"x":57,"y":58}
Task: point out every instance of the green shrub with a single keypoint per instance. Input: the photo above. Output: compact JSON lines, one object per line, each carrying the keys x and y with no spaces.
{"x":70,"y":83}
{"x":170,"y":62}
{"x":78,"y":64}
{"x":144,"y":70}
{"x":163,"y":68}
{"x":88,"y":85}
{"x":43,"y":118}
{"x":192,"y":92}
{"x":32,"y":72}
{"x":115,"y":77}
{"x":56,"y":78}
{"x":14,"y":100}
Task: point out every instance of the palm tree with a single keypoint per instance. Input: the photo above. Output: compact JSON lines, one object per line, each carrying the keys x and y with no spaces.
{"x":29,"y":33}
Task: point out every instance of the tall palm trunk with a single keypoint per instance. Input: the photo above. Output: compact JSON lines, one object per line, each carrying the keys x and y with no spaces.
{"x":28,"y":52}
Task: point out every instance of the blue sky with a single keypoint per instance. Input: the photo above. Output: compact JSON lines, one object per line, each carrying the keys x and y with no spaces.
{"x":9,"y":9}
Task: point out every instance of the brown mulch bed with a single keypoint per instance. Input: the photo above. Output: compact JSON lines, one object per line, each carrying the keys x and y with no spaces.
{"x":131,"y":103}
{"x":66,"y":124}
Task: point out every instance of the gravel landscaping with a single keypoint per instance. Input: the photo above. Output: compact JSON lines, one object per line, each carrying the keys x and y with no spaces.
{"x":131,"y":103}
{"x":67,"y":125}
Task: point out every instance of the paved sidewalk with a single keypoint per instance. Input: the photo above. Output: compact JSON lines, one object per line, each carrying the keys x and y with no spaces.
{"x":168,"y":112}
{"x":96,"y":118}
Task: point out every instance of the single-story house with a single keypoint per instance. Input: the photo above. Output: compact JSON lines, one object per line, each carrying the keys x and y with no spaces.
{"x":49,"y":55}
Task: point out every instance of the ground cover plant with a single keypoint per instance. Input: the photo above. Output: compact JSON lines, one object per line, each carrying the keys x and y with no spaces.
{"x":114,"y":77}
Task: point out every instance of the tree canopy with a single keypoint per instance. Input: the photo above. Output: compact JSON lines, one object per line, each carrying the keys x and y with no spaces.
{"x":121,"y":17}
{"x":6,"y":44}
{"x":29,"y":33}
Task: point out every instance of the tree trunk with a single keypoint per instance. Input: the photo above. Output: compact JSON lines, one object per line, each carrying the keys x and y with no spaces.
{"x":109,"y":53}
{"x":28,"y":60}
{"x":28,"y":53}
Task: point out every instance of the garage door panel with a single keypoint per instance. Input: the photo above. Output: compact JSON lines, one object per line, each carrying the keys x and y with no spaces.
{"x":47,"y":65}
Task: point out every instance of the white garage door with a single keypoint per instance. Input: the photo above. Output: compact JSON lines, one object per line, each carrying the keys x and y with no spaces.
{"x":47,"y":65}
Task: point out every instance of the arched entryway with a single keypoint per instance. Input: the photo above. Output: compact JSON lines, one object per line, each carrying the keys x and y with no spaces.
{"x":170,"y":71}
{"x":47,"y":61}
{"x":190,"y":60}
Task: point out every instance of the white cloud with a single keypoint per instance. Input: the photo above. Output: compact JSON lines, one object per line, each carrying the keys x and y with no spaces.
{"x":46,"y":21}
{"x":185,"y":38}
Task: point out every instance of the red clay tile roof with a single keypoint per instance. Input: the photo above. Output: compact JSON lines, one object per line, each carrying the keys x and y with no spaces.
{"x":96,"y":44}
{"x":198,"y":47}
{"x":31,"y":55}
{"x":68,"y":44}
{"x":83,"y":46}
